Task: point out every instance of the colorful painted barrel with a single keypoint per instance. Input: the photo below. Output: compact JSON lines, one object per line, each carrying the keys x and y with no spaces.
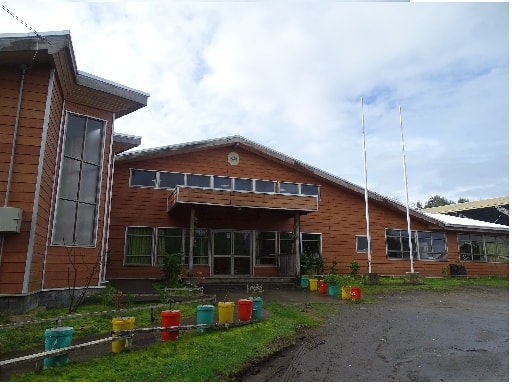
{"x":304,"y":281}
{"x":323,"y":287}
{"x":170,"y":318}
{"x":257,"y":307}
{"x":121,"y":324}
{"x":346,"y":293}
{"x":205,"y":315}
{"x":355,"y":292}
{"x":226,"y":311}
{"x":313,"y":285}
{"x":55,"y":338}
{"x":244,"y":310}
{"x":333,"y":289}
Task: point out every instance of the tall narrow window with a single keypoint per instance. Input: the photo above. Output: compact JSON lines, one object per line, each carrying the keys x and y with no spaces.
{"x":80,"y":175}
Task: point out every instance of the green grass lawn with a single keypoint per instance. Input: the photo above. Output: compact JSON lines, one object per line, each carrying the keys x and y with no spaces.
{"x":215,"y":355}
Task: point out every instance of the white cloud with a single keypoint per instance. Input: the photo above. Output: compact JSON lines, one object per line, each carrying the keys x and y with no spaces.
{"x":291,"y":75}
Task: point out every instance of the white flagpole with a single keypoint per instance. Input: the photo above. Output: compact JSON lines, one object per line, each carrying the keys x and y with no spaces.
{"x":366,"y":194}
{"x":406,"y":192}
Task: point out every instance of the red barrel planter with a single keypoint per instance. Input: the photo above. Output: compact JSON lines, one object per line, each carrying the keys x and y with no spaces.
{"x":170,"y":319}
{"x":244,"y":310}
{"x":355,"y":293}
{"x":323,"y":287}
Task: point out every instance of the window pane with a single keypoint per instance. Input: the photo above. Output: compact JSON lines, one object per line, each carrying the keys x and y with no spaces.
{"x":89,"y":183}
{"x":243,"y":185}
{"x":286,"y":243}
{"x":198,"y":181}
{"x":222,"y":243}
{"x":143,"y":178}
{"x":242,"y":244}
{"x":311,"y":243}
{"x":93,"y":141}
{"x":266,"y":248}
{"x":74,"y":136}
{"x":64,"y":222}
{"x":70,"y":174}
{"x":265,"y":186}
{"x":361,"y":244}
{"x":170,"y":241}
{"x":138,"y":245}
{"x":221,"y":182}
{"x":289,"y":188}
{"x":308,"y":189}
{"x":85,"y":224}
{"x":171,"y":180}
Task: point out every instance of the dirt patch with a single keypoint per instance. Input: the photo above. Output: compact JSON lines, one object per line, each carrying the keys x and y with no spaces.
{"x":460,"y":335}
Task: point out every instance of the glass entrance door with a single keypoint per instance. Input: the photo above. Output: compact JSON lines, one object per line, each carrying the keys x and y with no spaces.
{"x":232,"y":251}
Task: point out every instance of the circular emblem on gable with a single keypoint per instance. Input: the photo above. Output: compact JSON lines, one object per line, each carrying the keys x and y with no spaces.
{"x":233,"y":158}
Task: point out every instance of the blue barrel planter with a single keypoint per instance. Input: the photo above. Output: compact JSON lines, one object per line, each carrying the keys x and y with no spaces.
{"x":205,"y":315}
{"x":304,"y":281}
{"x":257,"y":305}
{"x":333,"y":289}
{"x":55,"y":338}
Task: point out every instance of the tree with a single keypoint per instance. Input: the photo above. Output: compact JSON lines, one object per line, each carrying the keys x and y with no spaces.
{"x":438,"y":201}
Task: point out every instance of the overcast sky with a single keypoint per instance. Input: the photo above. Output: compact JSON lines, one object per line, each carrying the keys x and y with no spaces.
{"x":290,"y":75}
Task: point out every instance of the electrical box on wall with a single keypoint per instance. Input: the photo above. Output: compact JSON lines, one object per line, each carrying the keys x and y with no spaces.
{"x":10,"y":219}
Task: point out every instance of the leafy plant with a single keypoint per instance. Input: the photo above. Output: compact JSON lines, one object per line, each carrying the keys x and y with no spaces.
{"x":344,"y":280}
{"x":331,"y":279}
{"x":354,"y":268}
{"x":332,"y":270}
{"x":311,"y":264}
{"x":256,"y":290}
{"x":171,"y":267}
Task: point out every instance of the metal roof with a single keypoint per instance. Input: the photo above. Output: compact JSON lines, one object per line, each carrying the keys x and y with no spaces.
{"x":56,"y":48}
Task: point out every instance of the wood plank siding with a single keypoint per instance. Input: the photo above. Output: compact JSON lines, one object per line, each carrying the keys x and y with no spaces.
{"x":339,"y":216}
{"x":191,"y":195}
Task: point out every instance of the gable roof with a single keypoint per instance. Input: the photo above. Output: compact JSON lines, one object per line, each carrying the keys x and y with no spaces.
{"x":56,"y":49}
{"x":238,"y":141}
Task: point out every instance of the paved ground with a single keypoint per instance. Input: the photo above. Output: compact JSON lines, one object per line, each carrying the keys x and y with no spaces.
{"x":460,"y":335}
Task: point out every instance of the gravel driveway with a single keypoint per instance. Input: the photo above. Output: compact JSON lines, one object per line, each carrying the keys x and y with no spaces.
{"x":461,"y":335}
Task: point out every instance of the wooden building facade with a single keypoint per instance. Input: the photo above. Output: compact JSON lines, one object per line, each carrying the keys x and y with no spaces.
{"x":235,"y":208}
{"x":57,"y":147}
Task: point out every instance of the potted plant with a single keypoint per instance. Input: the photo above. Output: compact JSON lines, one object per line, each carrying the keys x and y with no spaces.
{"x":332,"y":284}
{"x":354,"y":268}
{"x":344,"y":282}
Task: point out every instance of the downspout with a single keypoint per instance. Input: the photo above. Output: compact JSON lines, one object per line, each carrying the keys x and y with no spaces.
{"x":23,"y":68}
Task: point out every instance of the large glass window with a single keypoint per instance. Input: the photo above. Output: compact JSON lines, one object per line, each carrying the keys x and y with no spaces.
{"x":312,"y":243}
{"x":286,"y":243}
{"x":477,"y":247}
{"x":361,"y":244}
{"x":222,"y":182}
{"x":425,"y":245}
{"x":80,"y":176}
{"x":138,"y":246}
{"x":309,"y":189}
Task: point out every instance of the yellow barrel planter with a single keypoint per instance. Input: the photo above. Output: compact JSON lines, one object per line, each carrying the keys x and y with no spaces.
{"x":121,"y":324}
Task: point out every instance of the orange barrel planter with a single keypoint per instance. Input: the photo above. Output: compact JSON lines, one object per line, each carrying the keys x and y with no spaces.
{"x":244,"y":310}
{"x":226,"y":311}
{"x":323,"y":287}
{"x":205,"y":315}
{"x":170,"y":318}
{"x":313,"y":285}
{"x":355,"y":292}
